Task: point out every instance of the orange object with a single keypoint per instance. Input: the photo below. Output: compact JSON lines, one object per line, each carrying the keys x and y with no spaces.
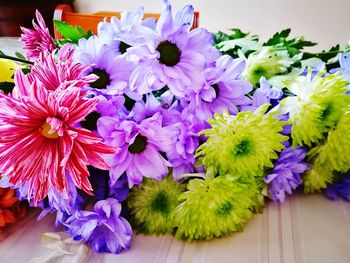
{"x":10,"y":207}
{"x":65,"y":13}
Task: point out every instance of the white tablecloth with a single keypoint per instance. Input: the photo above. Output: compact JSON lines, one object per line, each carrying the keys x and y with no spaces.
{"x":307,"y":228}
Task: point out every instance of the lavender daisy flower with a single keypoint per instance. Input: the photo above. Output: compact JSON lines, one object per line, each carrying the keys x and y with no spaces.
{"x":344,"y":61}
{"x":224,"y":90}
{"x":313,"y":66}
{"x":113,"y":72}
{"x":171,"y":55}
{"x":103,"y":228}
{"x":165,"y":105}
{"x":285,"y":176}
{"x":64,"y":204}
{"x":109,"y":31}
{"x":120,"y":189}
{"x":182,"y":154}
{"x":340,"y":189}
{"x":266,"y":94}
{"x":140,"y":147}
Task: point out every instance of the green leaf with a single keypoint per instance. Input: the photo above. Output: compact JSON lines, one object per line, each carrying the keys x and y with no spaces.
{"x":71,"y":34}
{"x":294,"y":45}
{"x":324,"y":55}
{"x":278,"y":37}
{"x":7,"y":87}
{"x":26,"y":70}
{"x":20,"y":55}
{"x":2,"y":53}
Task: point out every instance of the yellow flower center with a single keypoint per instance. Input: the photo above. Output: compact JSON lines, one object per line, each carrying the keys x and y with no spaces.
{"x":45,"y":128}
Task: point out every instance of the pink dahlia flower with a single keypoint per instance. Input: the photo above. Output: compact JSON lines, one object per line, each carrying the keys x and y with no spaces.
{"x":40,"y":142}
{"x":52,"y":72}
{"x":38,"y":40}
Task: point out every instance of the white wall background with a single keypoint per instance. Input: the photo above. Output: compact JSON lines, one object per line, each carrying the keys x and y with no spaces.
{"x":324,"y":22}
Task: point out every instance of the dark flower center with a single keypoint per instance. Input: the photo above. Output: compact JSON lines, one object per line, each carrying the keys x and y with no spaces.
{"x":103,"y":79}
{"x":243,"y":148}
{"x":139,"y":144}
{"x":224,"y":209}
{"x":161,"y":203}
{"x":169,"y":53}
{"x":259,"y":72}
{"x":123,"y":47}
{"x":326,"y":112}
{"x":165,"y":106}
{"x":90,"y":121}
{"x":216,"y":89}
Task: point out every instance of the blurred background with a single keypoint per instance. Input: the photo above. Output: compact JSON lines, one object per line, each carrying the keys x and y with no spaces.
{"x":16,"y":13}
{"x":325,"y":22}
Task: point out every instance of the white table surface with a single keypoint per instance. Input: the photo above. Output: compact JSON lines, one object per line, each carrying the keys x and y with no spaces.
{"x":306,"y":228}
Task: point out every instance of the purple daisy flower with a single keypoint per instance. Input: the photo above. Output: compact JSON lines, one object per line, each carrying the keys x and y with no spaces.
{"x":265,"y":94}
{"x":224,"y":90}
{"x":113,"y":72}
{"x":171,"y":55}
{"x":344,"y":61}
{"x":113,"y":106}
{"x":109,"y":31}
{"x":165,"y":105}
{"x":140,"y":147}
{"x":182,"y":154}
{"x":120,"y":189}
{"x":315,"y":66}
{"x":340,"y":189}
{"x":285,"y":176}
{"x":64,"y":204}
{"x":103,"y":227}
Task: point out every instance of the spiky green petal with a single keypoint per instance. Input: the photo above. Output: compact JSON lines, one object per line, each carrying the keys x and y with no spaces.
{"x":152,"y":205}
{"x":335,"y":152}
{"x":318,"y":105}
{"x":242,"y":144}
{"x":213,"y":207}
{"x":317,"y":179}
{"x":266,"y":63}
{"x":330,"y":158}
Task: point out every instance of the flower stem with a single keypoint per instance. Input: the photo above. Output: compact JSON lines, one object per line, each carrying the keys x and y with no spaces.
{"x":2,"y":55}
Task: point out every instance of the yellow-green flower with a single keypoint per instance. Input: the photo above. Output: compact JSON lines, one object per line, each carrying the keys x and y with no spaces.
{"x":213,"y":207}
{"x":243,"y":144}
{"x":267,"y":63}
{"x":316,"y":107}
{"x":7,"y":70}
{"x":152,"y":205}
{"x":331,"y":158}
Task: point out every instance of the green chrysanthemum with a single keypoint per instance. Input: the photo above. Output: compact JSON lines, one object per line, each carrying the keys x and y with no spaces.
{"x":330,"y":158}
{"x":242,"y":144}
{"x":213,"y":207}
{"x":266,"y":63}
{"x":318,"y":105}
{"x":317,"y":179}
{"x":152,"y":205}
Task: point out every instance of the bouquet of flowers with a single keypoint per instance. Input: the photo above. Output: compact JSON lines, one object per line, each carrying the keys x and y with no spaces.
{"x":160,"y":128}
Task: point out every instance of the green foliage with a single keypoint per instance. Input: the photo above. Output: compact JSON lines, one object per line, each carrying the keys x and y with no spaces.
{"x":71,"y":34}
{"x":221,"y":36}
{"x":19,"y":55}
{"x":324,"y":55}
{"x":293,"y":46}
{"x":238,"y":41}
{"x":235,"y":42}
{"x":7,"y":87}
